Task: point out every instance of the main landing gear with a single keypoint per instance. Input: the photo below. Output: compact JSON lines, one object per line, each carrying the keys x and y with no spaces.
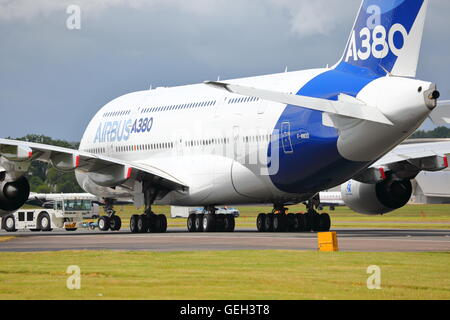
{"x":110,"y":221}
{"x":149,"y":221}
{"x":211,"y":222}
{"x":279,"y":221}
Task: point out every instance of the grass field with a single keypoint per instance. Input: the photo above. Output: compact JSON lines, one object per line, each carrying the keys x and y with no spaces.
{"x":409,"y":217}
{"x":224,"y":275}
{"x":253,"y":275}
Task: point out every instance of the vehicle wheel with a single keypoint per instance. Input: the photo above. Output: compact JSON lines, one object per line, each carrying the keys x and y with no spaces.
{"x":301,"y":220}
{"x":230,"y":223}
{"x":9,"y":223}
{"x":115,"y":223}
{"x":191,"y":223}
{"x":162,"y":223}
{"x":268,"y":223}
{"x":325,"y":222}
{"x":44,"y":223}
{"x":104,"y":223}
{"x":279,"y":223}
{"x":260,"y":222}
{"x":142,"y":224}
{"x":292,"y":222}
{"x":71,"y":229}
{"x":133,"y":223}
{"x":199,"y":223}
{"x":208,"y":223}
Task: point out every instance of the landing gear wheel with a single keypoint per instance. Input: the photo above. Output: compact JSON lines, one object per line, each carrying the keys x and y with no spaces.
{"x":315,"y":222}
{"x":162,"y":223}
{"x":268,"y":223}
{"x":230,"y":223}
{"x":199,"y":223}
{"x":133,"y":223}
{"x":103,"y":223}
{"x":9,"y":223}
{"x":208,"y":222}
{"x":141,"y":224}
{"x":44,"y":223}
{"x":301,"y":219}
{"x":260,"y":221}
{"x":279,"y":223}
{"x":115,"y":223}
{"x":220,"y":223}
{"x":191,"y":223}
{"x":325,"y":222}
{"x":292,"y":223}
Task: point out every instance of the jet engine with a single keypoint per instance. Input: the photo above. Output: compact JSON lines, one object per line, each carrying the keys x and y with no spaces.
{"x":376,"y":199}
{"x":13,"y":195}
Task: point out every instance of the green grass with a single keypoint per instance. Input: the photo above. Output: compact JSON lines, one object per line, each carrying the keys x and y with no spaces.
{"x":410,"y":217}
{"x":224,"y":275}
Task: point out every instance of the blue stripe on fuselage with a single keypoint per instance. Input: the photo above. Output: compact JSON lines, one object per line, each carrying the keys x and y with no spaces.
{"x":313,"y":163}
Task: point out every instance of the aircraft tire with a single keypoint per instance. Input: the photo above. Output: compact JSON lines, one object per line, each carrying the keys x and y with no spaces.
{"x":104,"y":223}
{"x":199,"y":223}
{"x":162,"y":223}
{"x":133,"y":223}
{"x":115,"y":223}
{"x":260,"y":222}
{"x":230,"y":223}
{"x":191,"y":223}
{"x":268,"y":223}
{"x":325,"y":222}
{"x":208,"y":223}
{"x":301,"y":218}
{"x":279,"y":223}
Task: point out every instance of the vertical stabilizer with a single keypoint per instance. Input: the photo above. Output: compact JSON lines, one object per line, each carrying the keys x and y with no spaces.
{"x":386,"y":37}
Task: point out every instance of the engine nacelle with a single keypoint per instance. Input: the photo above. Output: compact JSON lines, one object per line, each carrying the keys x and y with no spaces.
{"x":375,"y":199}
{"x":13,"y":195}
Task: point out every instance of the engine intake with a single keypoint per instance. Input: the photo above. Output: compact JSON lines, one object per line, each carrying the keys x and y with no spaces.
{"x":13,"y":195}
{"x":374,"y":199}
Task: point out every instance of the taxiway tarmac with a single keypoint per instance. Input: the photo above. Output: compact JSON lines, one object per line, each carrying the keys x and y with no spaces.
{"x":370,"y":240}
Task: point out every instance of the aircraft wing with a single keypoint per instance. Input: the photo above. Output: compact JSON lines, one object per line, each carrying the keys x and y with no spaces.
{"x":345,"y":106}
{"x":105,"y":171}
{"x":407,"y":161}
{"x":417,"y":151}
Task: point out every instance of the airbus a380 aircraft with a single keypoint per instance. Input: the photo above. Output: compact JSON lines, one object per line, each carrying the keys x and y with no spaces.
{"x":276,"y":139}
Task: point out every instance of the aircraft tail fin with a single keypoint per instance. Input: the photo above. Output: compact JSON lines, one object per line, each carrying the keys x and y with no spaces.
{"x":386,"y":37}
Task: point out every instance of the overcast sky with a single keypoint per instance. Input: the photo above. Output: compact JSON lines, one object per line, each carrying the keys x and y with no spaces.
{"x":53,"y":80}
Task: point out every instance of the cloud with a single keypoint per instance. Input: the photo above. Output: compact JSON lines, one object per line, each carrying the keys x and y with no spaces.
{"x":316,"y":17}
{"x":306,"y":17}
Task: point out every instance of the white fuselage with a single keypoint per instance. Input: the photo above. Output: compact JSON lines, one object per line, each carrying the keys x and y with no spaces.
{"x":217,"y":142}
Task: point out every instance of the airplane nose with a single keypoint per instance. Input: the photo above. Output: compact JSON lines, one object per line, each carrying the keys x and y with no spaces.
{"x":431,"y":96}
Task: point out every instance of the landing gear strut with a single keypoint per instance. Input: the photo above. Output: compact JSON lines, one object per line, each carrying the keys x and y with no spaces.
{"x":110,"y":221}
{"x":279,"y":221}
{"x":148,"y":221}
